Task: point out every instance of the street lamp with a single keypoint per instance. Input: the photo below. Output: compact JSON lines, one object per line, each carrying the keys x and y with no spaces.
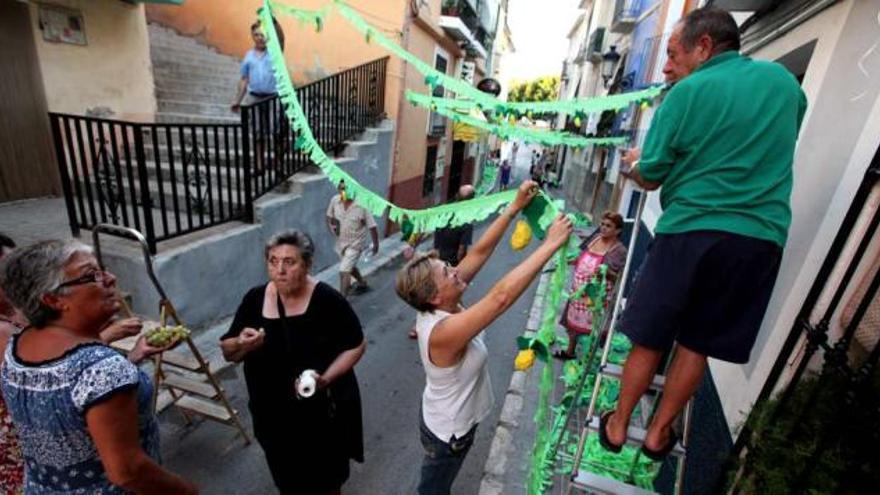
{"x":609,"y":62}
{"x":490,"y":86}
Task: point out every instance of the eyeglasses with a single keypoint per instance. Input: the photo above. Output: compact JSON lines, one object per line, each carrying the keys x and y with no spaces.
{"x":96,"y":276}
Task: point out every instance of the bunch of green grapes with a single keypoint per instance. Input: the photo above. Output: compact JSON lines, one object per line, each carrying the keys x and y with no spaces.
{"x":162,"y":336}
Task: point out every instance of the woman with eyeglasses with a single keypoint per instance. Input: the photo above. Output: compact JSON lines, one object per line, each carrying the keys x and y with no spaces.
{"x":602,"y":248}
{"x":458,"y":395}
{"x":82,"y":411}
{"x":281,"y":331}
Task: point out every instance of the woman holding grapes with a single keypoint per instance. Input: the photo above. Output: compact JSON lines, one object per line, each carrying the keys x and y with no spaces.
{"x":82,"y":411}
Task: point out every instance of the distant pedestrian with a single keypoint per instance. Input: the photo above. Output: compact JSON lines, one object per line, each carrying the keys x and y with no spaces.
{"x":505,"y":174}
{"x":458,"y":394}
{"x":349,"y":223}
{"x":452,"y":243}
{"x":257,"y":84}
{"x":282,"y":329}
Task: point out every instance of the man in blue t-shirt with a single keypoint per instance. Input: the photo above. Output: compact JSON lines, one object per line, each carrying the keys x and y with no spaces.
{"x":257,"y":84}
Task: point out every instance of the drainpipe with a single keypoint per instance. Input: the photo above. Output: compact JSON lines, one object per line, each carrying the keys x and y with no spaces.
{"x":788,"y":25}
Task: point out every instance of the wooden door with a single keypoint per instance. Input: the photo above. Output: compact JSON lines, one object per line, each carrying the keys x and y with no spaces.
{"x":27,"y":164}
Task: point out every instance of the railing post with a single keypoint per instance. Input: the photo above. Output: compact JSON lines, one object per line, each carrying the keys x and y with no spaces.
{"x":61,"y":160}
{"x":146,"y":202}
{"x":246,"y":163}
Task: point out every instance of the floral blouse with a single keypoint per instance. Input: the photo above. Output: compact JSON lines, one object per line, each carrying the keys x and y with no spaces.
{"x":48,"y":401}
{"x":11,"y":464}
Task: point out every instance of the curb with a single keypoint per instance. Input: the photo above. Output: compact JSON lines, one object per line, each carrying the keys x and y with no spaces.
{"x":500,"y":452}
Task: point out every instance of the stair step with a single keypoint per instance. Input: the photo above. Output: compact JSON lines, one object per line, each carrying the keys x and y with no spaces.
{"x":190,"y":118}
{"x":636,"y":436}
{"x":197,"y":108}
{"x":616,"y":371}
{"x":204,"y":407}
{"x":179,"y":382}
{"x":163,"y":400}
{"x":595,"y":483}
{"x":188,"y":85}
{"x":181,"y":360}
{"x":196,"y":94}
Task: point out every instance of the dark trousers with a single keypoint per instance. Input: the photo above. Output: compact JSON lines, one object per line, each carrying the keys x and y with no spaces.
{"x":442,"y":460}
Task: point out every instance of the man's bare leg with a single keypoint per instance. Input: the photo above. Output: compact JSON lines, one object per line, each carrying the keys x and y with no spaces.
{"x":357,"y":276}
{"x":638,"y":372}
{"x":682,"y":380}
{"x":344,"y":283}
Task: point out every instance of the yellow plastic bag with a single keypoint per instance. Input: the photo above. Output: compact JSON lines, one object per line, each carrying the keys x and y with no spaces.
{"x":524,"y":360}
{"x":522,"y":235}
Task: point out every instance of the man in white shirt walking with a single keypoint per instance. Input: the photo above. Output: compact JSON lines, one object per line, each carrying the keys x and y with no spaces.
{"x":349,"y":223}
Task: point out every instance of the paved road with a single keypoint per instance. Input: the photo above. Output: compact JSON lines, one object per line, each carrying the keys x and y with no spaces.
{"x":391,"y":380}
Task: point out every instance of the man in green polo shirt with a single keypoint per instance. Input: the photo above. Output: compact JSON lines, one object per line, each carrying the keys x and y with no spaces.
{"x":720,"y":149}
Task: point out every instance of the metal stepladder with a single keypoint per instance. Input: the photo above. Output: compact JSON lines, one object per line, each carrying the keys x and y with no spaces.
{"x":184,"y":380}
{"x":583,"y":479}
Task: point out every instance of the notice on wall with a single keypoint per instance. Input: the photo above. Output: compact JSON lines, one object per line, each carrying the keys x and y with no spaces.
{"x":62,"y":25}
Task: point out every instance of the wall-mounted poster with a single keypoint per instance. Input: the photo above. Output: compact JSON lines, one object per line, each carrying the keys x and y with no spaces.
{"x":62,"y":25}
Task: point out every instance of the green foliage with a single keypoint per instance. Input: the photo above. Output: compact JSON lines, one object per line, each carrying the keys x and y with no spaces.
{"x":545,"y":88}
{"x":818,"y":443}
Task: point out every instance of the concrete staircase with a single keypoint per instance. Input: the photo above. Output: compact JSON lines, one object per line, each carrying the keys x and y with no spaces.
{"x":194,"y":82}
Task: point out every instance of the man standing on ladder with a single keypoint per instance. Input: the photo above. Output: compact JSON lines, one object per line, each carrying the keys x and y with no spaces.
{"x":721,"y":146}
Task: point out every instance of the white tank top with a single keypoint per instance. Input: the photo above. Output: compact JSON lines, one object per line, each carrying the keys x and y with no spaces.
{"x":460,"y":396}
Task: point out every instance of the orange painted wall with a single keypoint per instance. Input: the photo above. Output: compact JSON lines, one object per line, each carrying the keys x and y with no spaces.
{"x":310,"y":55}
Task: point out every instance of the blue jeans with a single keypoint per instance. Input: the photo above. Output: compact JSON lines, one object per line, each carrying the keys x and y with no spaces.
{"x":442,"y":460}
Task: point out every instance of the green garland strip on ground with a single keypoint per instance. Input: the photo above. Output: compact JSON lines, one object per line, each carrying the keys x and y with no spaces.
{"x":488,"y":180}
{"x":507,"y":132}
{"x":426,"y":220}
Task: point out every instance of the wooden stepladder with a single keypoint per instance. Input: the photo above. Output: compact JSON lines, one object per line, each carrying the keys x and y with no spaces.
{"x":182,"y":378}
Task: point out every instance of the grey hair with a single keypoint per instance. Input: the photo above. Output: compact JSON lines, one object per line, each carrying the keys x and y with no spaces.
{"x":716,"y":23}
{"x":295,"y":238}
{"x":28,"y":273}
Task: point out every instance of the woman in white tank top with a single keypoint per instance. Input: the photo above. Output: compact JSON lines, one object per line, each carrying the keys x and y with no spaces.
{"x":458,"y":394}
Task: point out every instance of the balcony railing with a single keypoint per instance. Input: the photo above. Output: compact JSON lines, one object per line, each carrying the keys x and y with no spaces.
{"x":167,"y":180}
{"x":626,"y":13}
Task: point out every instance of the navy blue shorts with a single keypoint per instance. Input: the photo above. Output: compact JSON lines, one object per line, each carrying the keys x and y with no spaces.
{"x":707,"y":290}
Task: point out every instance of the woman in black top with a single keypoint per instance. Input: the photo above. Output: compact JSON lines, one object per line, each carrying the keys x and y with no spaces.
{"x":292,"y":324}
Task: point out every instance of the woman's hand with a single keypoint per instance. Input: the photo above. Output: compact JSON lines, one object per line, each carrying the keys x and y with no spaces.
{"x":559,"y":230}
{"x":250,"y":339}
{"x":120,"y":329}
{"x":142,"y":350}
{"x":527,"y":190}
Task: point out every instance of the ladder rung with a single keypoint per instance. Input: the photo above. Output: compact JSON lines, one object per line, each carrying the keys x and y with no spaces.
{"x":204,"y":407}
{"x":181,"y":360}
{"x":600,"y":484}
{"x":183,"y":383}
{"x":163,"y":401}
{"x":636,"y":436}
{"x":616,"y":371}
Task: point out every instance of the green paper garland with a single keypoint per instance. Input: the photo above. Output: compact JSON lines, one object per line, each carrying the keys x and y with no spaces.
{"x":507,"y":132}
{"x":426,"y":220}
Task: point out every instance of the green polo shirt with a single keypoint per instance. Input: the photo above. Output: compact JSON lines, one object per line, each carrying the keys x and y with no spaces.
{"x":721,"y":145}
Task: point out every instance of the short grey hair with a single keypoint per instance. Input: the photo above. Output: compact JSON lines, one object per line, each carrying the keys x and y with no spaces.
{"x":30,"y":272}
{"x":716,"y":23}
{"x":295,"y":238}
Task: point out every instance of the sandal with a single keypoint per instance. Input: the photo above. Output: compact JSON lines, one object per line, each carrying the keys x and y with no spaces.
{"x":603,"y":434}
{"x":563,"y":355}
{"x":659,"y":455}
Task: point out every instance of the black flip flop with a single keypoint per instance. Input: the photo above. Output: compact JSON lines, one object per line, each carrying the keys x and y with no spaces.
{"x":659,"y":455}
{"x":604,"y":441}
{"x":563,"y":355}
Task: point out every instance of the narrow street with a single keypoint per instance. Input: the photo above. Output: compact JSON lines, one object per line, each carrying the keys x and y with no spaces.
{"x":391,"y":381}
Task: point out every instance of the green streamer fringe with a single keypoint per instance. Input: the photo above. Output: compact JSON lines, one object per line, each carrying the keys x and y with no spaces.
{"x":426,"y":220}
{"x":507,"y":132}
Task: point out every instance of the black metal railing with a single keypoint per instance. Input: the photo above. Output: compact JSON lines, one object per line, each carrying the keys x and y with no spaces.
{"x":825,"y":417}
{"x":167,"y":179}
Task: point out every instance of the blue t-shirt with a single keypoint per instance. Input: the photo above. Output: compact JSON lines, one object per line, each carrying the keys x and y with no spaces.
{"x":257,"y":68}
{"x":48,"y":403}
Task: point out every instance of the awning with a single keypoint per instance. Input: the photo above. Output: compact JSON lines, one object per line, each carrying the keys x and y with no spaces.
{"x":466,"y":132}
